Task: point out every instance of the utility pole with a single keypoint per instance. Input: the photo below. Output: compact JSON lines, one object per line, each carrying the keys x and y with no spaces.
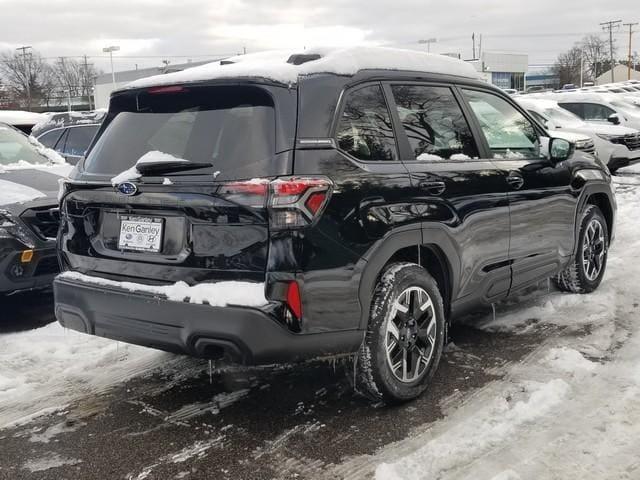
{"x":86,"y":82}
{"x":609,"y":27}
{"x":631,"y":32}
{"x":27,"y":67}
{"x":582,"y":66}
{"x":473,"y":42}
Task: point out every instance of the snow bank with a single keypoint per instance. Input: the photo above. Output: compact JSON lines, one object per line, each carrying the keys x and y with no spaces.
{"x":44,"y":369}
{"x":469,"y":439}
{"x":342,"y":61}
{"x":218,"y":294}
{"x":153,"y":156}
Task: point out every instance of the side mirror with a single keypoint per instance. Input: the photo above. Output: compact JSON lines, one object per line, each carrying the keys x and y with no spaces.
{"x":560,"y":149}
{"x":614,"y":118}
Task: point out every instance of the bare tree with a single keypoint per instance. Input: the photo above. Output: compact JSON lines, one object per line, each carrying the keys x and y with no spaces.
{"x":567,"y":66}
{"x":23,"y":76}
{"x":596,"y":56}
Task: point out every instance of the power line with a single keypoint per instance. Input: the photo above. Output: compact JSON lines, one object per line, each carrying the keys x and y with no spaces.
{"x":609,"y":27}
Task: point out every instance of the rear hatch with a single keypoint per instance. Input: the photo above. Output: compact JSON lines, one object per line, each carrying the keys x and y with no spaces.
{"x":197,"y":212}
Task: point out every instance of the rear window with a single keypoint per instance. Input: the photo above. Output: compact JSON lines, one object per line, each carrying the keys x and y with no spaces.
{"x":230,"y":127}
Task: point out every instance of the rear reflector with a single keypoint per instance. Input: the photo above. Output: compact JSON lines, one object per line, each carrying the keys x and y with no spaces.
{"x":294,"y":302}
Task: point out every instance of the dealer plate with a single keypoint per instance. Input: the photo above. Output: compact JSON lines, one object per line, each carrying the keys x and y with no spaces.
{"x":142,"y":234}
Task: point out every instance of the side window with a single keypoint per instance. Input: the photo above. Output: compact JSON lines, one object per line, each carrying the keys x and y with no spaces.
{"x":50,"y":138}
{"x":595,"y":111}
{"x":575,"y":108}
{"x":78,"y":140}
{"x":508,"y":132}
{"x":365,"y":130}
{"x":434,"y":123}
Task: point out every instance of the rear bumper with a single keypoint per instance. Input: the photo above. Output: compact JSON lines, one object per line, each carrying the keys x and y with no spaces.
{"x":241,"y":335}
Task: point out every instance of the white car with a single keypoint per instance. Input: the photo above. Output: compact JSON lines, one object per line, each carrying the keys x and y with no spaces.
{"x":615,"y":145}
{"x":605,"y":108}
{"x":21,"y":120}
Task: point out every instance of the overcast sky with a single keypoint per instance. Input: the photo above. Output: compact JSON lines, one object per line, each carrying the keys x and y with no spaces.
{"x":151,"y":30}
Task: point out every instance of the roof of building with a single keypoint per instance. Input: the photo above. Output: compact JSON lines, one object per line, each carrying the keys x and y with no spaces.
{"x":286,"y":66}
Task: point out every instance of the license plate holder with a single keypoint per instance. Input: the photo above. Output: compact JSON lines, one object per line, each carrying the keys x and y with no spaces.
{"x":141,"y":234}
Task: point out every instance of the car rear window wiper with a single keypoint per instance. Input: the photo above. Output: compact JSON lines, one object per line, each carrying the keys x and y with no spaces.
{"x":147,"y":168}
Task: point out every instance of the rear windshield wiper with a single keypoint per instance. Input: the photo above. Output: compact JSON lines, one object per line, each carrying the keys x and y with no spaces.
{"x":147,"y":168}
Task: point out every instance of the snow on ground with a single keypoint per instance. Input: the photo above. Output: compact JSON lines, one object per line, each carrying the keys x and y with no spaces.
{"x":571,"y":409}
{"x":45,"y":369}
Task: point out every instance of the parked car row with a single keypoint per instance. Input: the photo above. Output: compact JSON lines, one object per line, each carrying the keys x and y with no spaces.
{"x":608,"y":114}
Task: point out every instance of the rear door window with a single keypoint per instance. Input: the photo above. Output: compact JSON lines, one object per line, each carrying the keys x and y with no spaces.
{"x":365,"y":130}
{"x":78,"y":139}
{"x":230,"y":127}
{"x":508,"y":133}
{"x":50,"y":138}
{"x":434,"y":123}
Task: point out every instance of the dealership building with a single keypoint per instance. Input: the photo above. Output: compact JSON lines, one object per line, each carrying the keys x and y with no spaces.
{"x":503,"y":69}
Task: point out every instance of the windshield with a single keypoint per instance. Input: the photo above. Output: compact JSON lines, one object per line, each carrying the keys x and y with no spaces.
{"x":562,"y":118}
{"x":16,"y":148}
{"x":230,"y":127}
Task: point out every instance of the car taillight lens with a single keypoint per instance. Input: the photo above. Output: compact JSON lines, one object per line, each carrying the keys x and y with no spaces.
{"x":297,"y":201}
{"x":251,"y":193}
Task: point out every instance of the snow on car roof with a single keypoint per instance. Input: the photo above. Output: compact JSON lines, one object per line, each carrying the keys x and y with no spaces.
{"x":539,"y":102}
{"x":273,"y":65}
{"x":19,"y":117}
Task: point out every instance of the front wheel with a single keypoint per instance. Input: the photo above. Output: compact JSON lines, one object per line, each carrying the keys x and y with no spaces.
{"x":405,"y":337}
{"x":585,"y":272}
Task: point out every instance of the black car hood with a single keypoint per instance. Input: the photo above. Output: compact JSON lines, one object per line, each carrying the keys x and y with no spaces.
{"x":27,"y":186}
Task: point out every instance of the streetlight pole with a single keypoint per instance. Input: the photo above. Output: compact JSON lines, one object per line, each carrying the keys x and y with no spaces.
{"x":428,"y":41}
{"x":110,"y":50}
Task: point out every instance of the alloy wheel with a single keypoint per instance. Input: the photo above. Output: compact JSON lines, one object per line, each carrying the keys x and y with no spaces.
{"x":410,"y":334}
{"x":593,"y":249}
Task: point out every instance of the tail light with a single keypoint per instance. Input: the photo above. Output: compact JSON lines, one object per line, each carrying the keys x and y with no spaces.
{"x":293,"y":201}
{"x":297,"y":201}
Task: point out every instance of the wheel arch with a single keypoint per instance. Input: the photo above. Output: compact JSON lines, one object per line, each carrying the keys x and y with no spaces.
{"x":437,"y":255}
{"x":601,"y":200}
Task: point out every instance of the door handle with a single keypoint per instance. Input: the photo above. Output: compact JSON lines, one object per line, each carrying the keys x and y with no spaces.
{"x":434,"y":188}
{"x":515,"y":180}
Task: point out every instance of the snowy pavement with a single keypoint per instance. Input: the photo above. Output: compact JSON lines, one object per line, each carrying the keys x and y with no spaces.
{"x":549,"y":389}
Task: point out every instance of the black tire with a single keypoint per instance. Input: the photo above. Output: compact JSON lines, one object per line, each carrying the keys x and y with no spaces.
{"x":578,"y":276}
{"x":420,"y":331}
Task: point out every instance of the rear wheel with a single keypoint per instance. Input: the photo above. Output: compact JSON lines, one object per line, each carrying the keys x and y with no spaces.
{"x":405,"y":337}
{"x":585,"y":272}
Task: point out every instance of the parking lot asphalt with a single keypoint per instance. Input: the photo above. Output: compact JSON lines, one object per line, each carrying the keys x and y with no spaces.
{"x":297,"y":421}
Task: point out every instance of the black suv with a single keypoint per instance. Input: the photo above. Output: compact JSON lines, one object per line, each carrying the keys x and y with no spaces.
{"x":349,"y":202}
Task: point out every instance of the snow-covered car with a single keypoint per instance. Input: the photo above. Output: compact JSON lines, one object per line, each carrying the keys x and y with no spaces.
{"x":21,"y":120}
{"x":615,"y":145}
{"x":29,"y":217}
{"x":69,"y":133}
{"x":604,"y":108}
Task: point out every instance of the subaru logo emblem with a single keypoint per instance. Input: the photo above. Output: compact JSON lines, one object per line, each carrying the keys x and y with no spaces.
{"x":127,"y":188}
